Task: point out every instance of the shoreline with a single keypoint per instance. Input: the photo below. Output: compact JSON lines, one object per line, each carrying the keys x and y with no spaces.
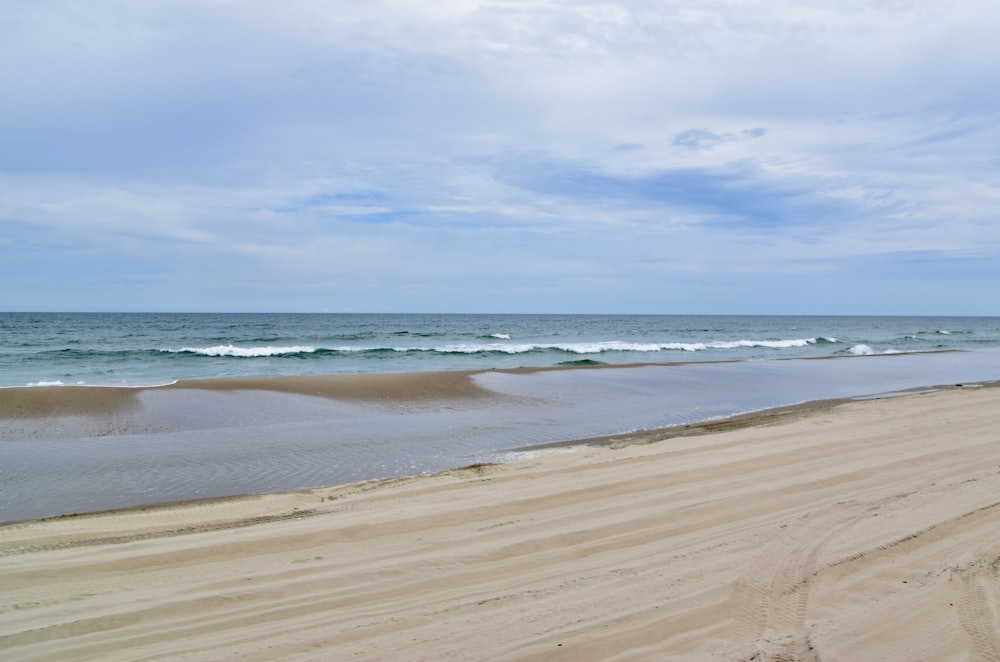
{"x":748,"y":420}
{"x":752,"y":419}
{"x":774,"y":416}
{"x":861,"y":529}
{"x":85,"y":449}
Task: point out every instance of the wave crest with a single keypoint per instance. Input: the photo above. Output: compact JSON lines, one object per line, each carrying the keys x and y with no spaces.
{"x":577,"y":348}
{"x":612,"y":346}
{"x":243,"y":352}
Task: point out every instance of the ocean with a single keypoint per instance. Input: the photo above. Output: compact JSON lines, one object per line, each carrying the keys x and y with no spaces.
{"x":152,"y":348}
{"x":101,"y":411}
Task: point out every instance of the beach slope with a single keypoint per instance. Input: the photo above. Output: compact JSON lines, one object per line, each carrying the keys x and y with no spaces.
{"x":869,"y":530}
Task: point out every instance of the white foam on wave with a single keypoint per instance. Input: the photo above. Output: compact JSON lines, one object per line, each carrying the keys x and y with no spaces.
{"x":614,"y":346}
{"x":243,"y":352}
{"x":773,"y":344}
{"x":509,"y":348}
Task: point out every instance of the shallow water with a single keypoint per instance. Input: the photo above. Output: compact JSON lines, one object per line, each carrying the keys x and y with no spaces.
{"x":191,"y":443}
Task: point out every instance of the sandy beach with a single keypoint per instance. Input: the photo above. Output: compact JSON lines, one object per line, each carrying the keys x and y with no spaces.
{"x":866,"y":530}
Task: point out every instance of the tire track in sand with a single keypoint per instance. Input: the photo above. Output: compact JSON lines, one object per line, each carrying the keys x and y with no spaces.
{"x":773,"y":593}
{"x":977,"y":608}
{"x":163,"y":533}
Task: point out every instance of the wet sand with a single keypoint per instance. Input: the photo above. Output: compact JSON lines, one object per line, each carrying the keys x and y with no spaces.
{"x":39,"y":402}
{"x":850,"y":531}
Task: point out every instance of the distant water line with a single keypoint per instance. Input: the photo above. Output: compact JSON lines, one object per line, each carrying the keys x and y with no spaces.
{"x":148,"y":348}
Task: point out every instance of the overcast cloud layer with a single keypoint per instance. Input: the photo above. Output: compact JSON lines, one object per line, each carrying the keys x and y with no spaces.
{"x":773,"y":156}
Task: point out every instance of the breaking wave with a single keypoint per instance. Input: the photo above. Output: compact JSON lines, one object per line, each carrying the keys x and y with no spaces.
{"x":304,"y":351}
{"x":243,"y":352}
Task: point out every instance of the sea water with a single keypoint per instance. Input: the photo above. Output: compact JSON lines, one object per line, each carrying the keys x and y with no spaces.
{"x":183,"y":443}
{"x":153,"y":348}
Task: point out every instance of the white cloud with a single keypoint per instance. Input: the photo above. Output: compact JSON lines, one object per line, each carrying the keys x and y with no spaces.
{"x":433,"y":142}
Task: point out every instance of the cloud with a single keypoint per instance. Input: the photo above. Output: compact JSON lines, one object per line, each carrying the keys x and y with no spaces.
{"x":734,"y":193}
{"x":542,"y":155}
{"x":705,"y":139}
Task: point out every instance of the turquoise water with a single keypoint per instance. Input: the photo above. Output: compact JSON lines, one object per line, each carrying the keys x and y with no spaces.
{"x":183,"y":442}
{"x":153,"y":348}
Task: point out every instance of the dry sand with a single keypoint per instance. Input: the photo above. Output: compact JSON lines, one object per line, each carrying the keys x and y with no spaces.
{"x":869,"y":531}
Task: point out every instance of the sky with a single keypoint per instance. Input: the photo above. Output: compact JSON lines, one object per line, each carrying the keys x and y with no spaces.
{"x":532,"y":156}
